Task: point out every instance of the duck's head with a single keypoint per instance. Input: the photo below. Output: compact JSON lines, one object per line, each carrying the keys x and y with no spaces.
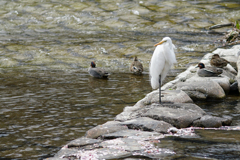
{"x":201,"y":65}
{"x":135,"y":58}
{"x":93,"y":65}
{"x":215,"y":56}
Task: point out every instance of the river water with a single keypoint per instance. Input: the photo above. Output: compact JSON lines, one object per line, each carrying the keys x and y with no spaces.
{"x":47,"y":97}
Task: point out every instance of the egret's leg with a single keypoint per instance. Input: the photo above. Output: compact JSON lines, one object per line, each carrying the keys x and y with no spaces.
{"x":160,"y":89}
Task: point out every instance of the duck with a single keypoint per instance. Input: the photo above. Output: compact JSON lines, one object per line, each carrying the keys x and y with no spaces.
{"x":208,"y":71}
{"x":97,"y":72}
{"x":136,"y":67}
{"x":218,"y":62}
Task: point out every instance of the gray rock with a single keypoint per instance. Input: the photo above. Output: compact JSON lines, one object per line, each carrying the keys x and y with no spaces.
{"x":136,"y":134}
{"x":108,"y":127}
{"x":209,"y":121}
{"x":148,"y":124}
{"x":234,"y":87}
{"x":169,"y":96}
{"x":55,"y":158}
{"x":223,"y":81}
{"x":108,"y":153}
{"x":178,"y":115}
{"x":83,"y":141}
{"x":127,"y":144}
{"x":238,"y":75}
{"x":66,"y":152}
{"x":128,"y":113}
{"x":202,"y":90}
{"x":138,"y":147}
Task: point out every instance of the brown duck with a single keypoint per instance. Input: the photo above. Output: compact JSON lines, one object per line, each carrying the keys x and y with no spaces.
{"x":218,"y":62}
{"x":136,"y":66}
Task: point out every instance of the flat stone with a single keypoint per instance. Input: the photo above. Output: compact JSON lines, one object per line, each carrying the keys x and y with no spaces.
{"x":102,"y":153}
{"x":202,"y":90}
{"x":136,"y":134}
{"x":148,"y":124}
{"x":53,"y":158}
{"x":178,"y":115}
{"x":108,"y":127}
{"x":223,"y":81}
{"x":83,"y":141}
{"x":65,"y":152}
{"x":128,"y":113}
{"x":108,"y":153}
{"x":168,"y":96}
{"x":127,"y":144}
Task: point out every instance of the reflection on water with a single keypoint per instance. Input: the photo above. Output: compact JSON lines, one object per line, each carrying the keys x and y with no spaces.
{"x":47,"y":97}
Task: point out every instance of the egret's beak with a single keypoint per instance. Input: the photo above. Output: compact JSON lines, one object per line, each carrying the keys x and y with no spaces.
{"x":159,"y":43}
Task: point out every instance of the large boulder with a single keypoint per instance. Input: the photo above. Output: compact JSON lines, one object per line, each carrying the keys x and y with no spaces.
{"x":223,"y":81}
{"x":201,"y":90}
{"x":168,"y":96}
{"x":178,"y":115}
{"x":209,"y":121}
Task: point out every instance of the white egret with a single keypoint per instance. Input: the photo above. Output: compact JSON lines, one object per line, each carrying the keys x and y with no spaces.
{"x":136,"y":67}
{"x":97,"y":72}
{"x":162,"y":60}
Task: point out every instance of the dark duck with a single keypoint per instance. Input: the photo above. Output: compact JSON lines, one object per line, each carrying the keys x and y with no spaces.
{"x":97,"y":72}
{"x":208,"y":71}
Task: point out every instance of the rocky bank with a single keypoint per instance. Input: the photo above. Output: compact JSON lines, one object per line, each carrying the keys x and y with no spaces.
{"x":134,"y":132}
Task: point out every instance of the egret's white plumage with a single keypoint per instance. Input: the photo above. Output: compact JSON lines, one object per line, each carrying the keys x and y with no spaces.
{"x":162,"y":60}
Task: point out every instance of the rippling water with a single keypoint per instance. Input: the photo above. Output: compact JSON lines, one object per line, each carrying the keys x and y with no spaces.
{"x":47,"y":97}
